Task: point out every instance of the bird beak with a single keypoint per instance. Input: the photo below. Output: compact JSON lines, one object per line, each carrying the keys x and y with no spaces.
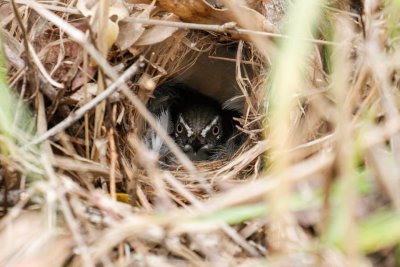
{"x":202,"y":154}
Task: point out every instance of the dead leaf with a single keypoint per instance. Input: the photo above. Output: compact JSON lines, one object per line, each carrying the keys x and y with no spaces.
{"x":31,"y":241}
{"x":79,"y":96}
{"x":5,"y":10}
{"x":79,"y":79}
{"x":56,"y":52}
{"x":117,"y":11}
{"x":158,"y":33}
{"x":112,"y":32}
{"x":203,"y":12}
{"x":87,"y":7}
{"x":130,"y":31}
{"x":13,"y":49}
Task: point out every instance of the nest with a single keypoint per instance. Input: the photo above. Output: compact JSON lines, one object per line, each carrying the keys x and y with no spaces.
{"x":177,"y":58}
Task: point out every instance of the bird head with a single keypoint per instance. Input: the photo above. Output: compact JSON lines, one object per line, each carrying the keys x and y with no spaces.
{"x":198,"y":130}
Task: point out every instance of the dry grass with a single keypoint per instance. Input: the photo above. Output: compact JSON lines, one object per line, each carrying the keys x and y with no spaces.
{"x":315,"y":184}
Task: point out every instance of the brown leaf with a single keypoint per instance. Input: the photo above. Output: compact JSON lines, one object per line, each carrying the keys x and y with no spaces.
{"x":92,"y":89}
{"x":31,"y":241}
{"x":79,"y":79}
{"x":86,"y":7}
{"x":158,"y":33}
{"x":130,"y":32}
{"x":5,"y":11}
{"x":116,"y":12}
{"x":203,"y":12}
{"x":56,"y":51}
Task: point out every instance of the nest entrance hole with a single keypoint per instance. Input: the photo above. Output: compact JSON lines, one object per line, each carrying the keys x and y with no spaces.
{"x":226,"y":72}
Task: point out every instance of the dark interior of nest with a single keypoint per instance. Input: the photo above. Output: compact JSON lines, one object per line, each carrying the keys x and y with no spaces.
{"x":206,"y":94}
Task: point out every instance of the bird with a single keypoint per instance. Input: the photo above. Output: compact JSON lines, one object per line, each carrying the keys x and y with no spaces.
{"x":199,"y":128}
{"x":199,"y":125}
{"x":152,"y":140}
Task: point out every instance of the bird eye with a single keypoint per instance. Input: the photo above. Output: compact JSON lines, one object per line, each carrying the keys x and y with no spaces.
{"x":215,"y":130}
{"x":179,"y":128}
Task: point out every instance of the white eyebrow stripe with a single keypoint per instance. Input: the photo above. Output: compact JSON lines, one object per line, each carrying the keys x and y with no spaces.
{"x":187,"y":127}
{"x":208,"y":127}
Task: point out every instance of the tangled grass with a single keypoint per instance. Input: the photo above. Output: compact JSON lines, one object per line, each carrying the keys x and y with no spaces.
{"x":315,"y":184}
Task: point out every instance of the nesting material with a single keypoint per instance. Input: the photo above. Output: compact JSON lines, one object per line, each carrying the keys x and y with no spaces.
{"x":102,"y":162}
